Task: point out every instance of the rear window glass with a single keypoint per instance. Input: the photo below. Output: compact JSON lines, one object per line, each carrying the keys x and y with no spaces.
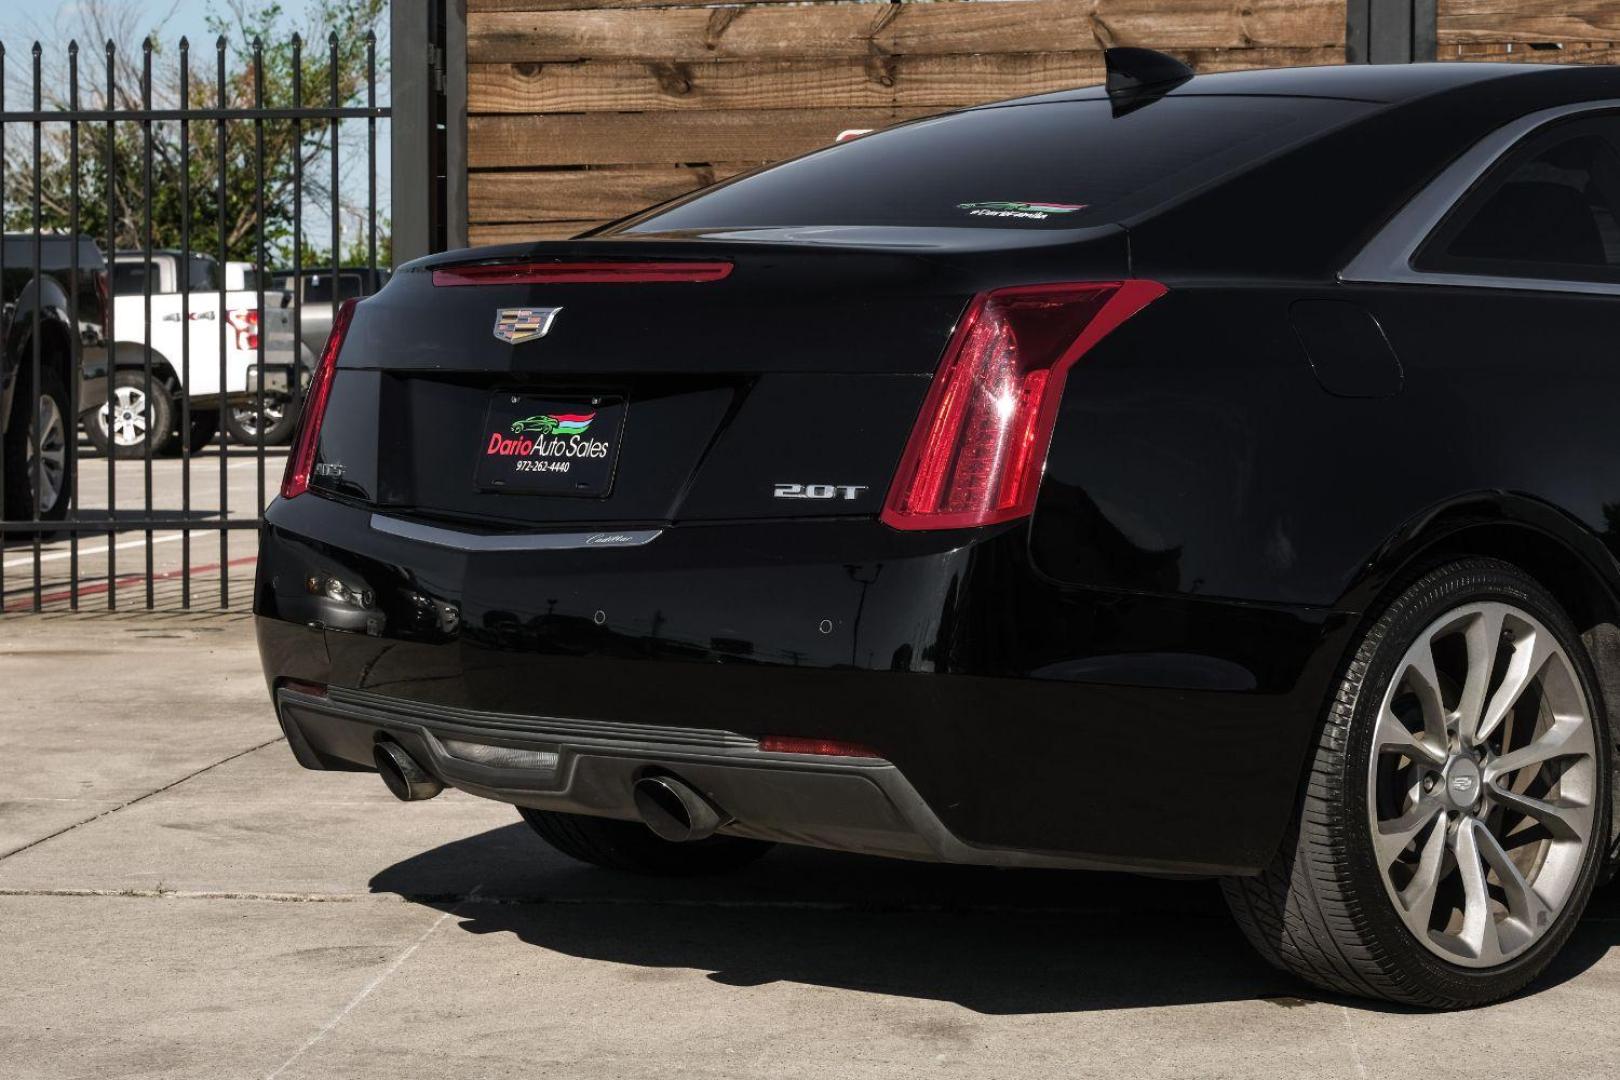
{"x":1042,"y":166}
{"x":204,"y":274}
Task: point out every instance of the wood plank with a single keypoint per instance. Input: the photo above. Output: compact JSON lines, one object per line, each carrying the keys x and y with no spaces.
{"x":478,"y":235}
{"x":660,"y":138}
{"x":902,"y":81}
{"x":575,"y":194}
{"x":1460,"y":21}
{"x":591,"y":5}
{"x":1519,"y":52}
{"x":843,"y":31}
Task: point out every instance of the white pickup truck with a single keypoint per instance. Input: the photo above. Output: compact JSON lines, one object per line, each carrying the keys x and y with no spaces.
{"x":145,"y":410}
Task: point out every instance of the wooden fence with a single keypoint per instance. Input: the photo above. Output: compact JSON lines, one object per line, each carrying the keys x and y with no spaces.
{"x":580,"y":111}
{"x":1544,"y":31}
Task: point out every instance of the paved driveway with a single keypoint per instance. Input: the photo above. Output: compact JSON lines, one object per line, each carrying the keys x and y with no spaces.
{"x":208,"y":565}
{"x":178,"y":899}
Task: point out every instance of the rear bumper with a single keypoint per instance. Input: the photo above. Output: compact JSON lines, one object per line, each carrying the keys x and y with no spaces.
{"x":863,"y":805}
{"x":1020,"y":721}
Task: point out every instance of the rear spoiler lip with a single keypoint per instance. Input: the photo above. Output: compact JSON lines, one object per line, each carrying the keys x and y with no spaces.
{"x":721,"y":244}
{"x":604,"y":271}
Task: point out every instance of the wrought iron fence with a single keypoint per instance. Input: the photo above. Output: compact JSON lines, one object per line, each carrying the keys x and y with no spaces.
{"x":85,"y":173}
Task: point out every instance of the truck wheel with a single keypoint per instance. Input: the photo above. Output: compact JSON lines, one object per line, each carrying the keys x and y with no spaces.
{"x":54,"y":472}
{"x":631,"y":846}
{"x":135,"y":418}
{"x":204,"y":426}
{"x":277,"y":416}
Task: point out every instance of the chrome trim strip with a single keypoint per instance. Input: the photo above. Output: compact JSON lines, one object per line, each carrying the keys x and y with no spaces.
{"x":1387,"y":258}
{"x":468,"y":541}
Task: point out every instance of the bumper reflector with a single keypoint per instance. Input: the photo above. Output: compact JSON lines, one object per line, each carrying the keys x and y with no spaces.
{"x":788,"y":744}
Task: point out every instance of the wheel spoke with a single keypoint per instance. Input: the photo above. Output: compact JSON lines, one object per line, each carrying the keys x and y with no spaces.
{"x":1523,"y":904}
{"x":1478,"y":934}
{"x":1393,"y":735}
{"x":1558,"y":818}
{"x":1483,"y":638}
{"x":1424,"y":682}
{"x":1530,"y":656}
{"x":1568,"y":737}
{"x":1396,"y":835}
{"x":1418,"y":896}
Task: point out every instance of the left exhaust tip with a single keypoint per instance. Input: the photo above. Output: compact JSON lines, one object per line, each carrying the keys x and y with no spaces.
{"x":404,"y":776}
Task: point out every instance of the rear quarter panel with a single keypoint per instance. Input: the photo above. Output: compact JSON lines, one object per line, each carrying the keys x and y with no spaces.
{"x":1196,"y":452}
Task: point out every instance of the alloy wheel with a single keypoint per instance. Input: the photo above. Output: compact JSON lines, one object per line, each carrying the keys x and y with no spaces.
{"x":1482,"y":784}
{"x":271,"y":408}
{"x":47,"y":472}
{"x":131,"y":415}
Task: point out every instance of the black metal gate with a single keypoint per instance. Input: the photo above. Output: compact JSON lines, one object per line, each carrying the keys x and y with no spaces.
{"x":109,"y":427}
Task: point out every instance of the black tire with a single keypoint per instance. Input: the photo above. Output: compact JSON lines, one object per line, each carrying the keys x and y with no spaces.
{"x":241,"y":425}
{"x":25,"y":406}
{"x":204,"y":427}
{"x":631,"y":847}
{"x":160,"y":418}
{"x":1321,"y":909}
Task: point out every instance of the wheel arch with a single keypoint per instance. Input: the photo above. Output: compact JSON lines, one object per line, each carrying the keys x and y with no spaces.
{"x":131,"y":355}
{"x":1565,"y":555}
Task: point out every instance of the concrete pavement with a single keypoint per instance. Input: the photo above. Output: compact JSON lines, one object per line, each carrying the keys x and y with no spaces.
{"x":232,"y":487}
{"x":178,"y":899}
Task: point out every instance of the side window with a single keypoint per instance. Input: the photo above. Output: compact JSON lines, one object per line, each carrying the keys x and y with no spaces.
{"x":130,"y":278}
{"x":318,"y":288}
{"x":1550,"y":209}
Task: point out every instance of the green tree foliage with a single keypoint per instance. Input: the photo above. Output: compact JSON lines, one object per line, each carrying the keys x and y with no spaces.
{"x":260,"y":57}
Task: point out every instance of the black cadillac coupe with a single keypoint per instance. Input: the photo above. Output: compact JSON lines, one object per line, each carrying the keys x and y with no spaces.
{"x":1208,"y":476}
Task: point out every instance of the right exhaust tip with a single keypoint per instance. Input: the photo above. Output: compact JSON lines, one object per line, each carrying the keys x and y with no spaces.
{"x":404,"y":776}
{"x":674,"y":811}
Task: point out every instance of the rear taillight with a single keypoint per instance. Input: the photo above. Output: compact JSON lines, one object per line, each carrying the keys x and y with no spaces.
{"x":979,"y":447}
{"x":100,"y":277}
{"x":301,"y":462}
{"x":245,"y":321}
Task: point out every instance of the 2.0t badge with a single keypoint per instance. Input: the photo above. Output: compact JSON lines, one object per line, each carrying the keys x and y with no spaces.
{"x":515,"y":325}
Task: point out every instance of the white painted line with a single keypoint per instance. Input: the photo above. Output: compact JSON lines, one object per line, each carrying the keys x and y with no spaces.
{"x":100,"y":549}
{"x":1355,"y":1050}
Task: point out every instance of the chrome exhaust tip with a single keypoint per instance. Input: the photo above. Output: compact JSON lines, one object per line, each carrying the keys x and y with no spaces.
{"x":674,"y":811}
{"x":405,"y":778}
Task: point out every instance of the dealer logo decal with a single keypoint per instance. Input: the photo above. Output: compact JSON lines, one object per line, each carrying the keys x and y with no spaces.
{"x":1030,"y":211}
{"x":548,"y":441}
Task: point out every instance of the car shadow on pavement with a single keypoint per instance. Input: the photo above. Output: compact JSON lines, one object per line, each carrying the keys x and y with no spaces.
{"x":993,"y":941}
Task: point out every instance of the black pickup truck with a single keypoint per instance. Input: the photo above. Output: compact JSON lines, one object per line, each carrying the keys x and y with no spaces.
{"x":64,"y":303}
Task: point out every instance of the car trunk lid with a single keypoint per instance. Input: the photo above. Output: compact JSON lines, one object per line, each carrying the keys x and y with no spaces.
{"x":630,"y":382}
